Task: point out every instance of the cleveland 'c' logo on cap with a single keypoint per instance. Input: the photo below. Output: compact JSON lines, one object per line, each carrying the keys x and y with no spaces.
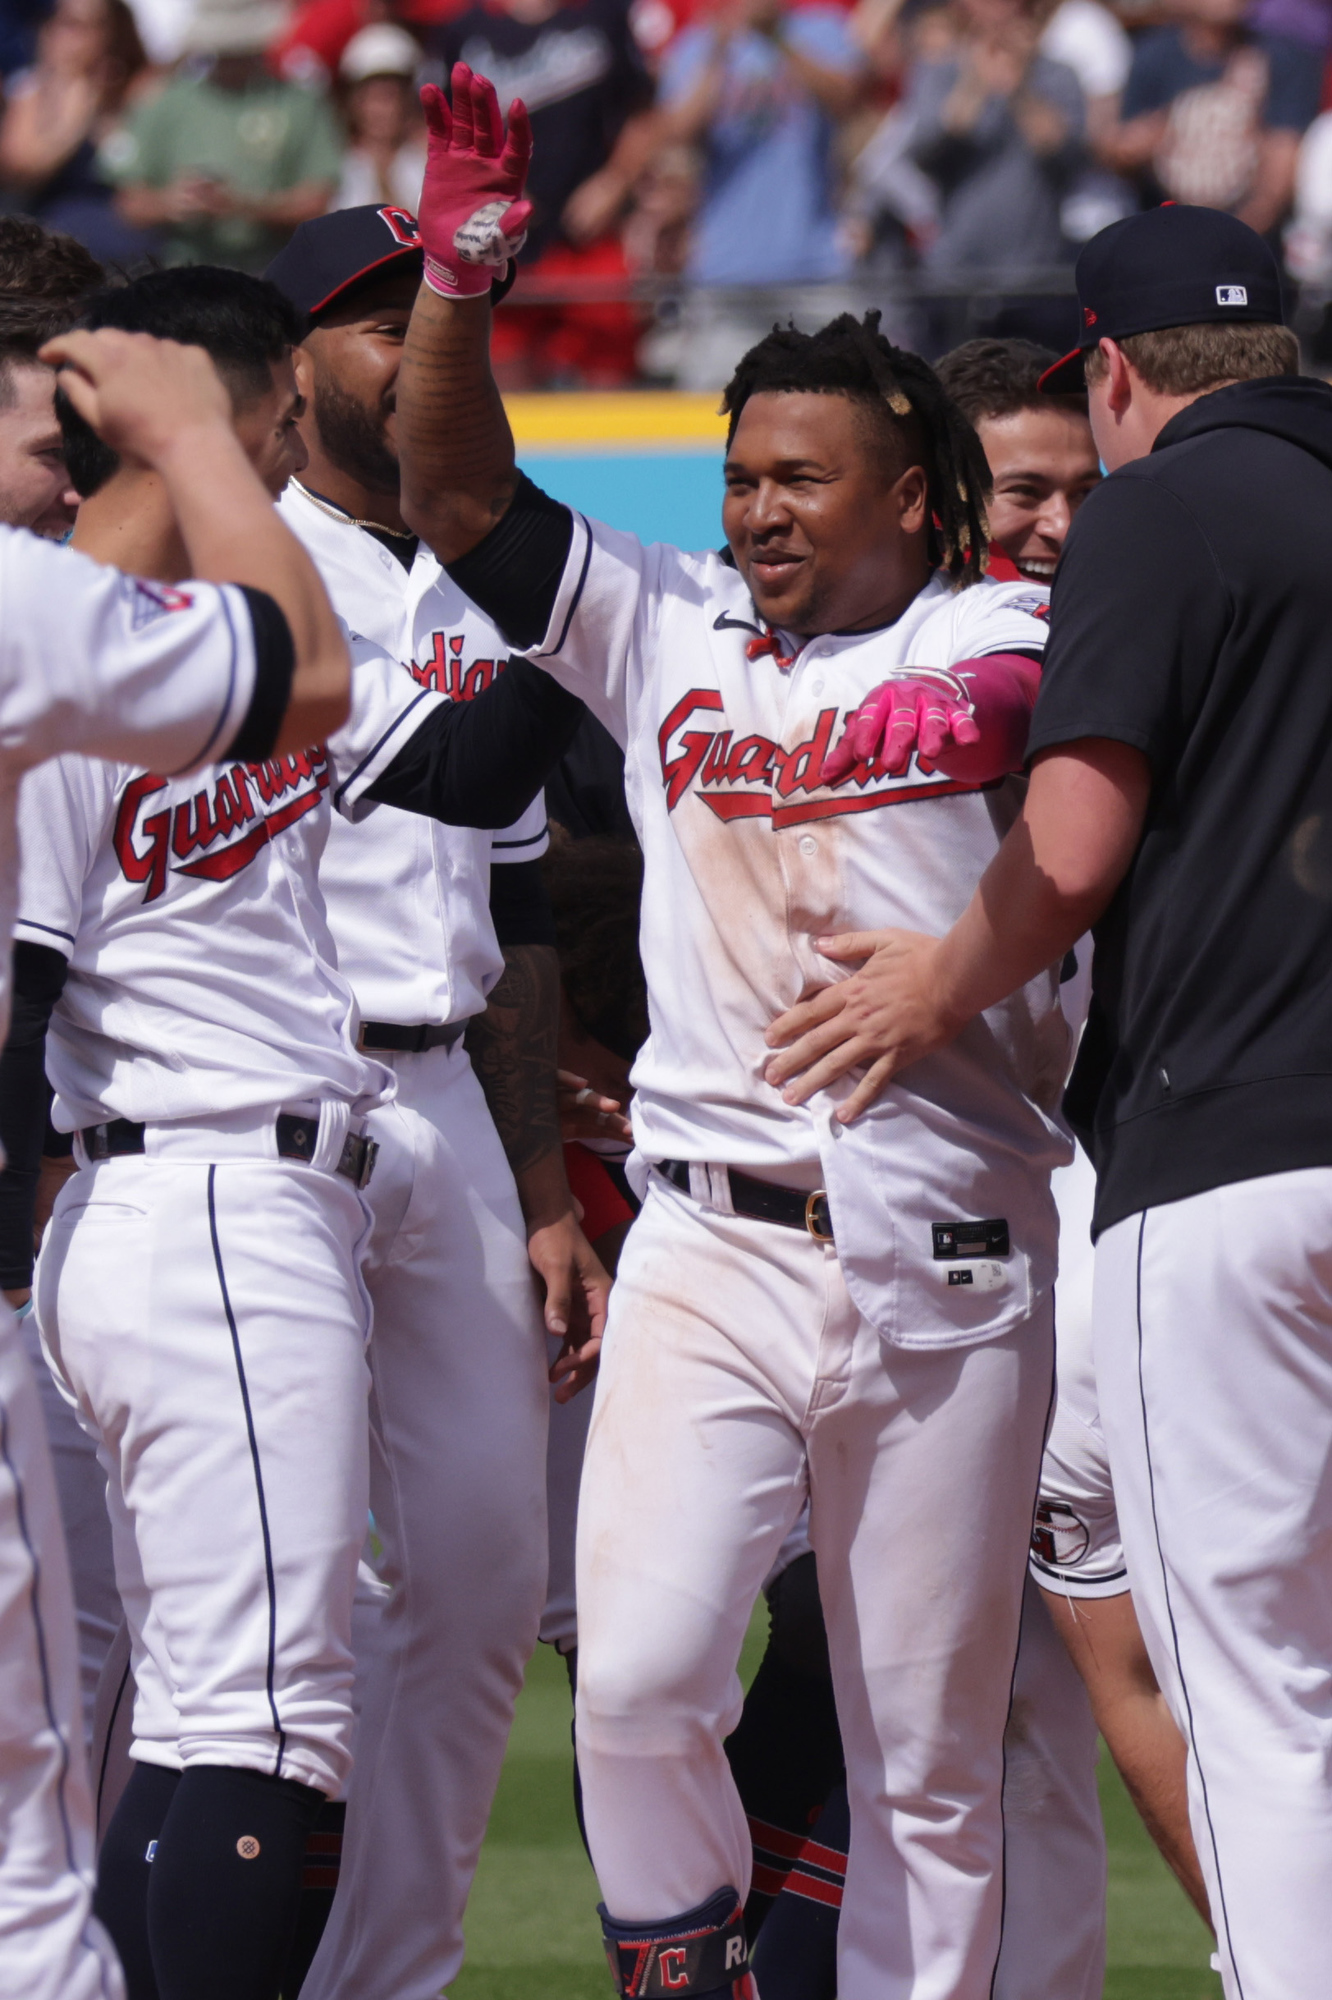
{"x":1088,"y":316}
{"x":403,"y":226}
{"x":1232,"y":295}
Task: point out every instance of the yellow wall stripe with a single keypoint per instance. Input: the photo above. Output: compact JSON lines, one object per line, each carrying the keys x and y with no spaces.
{"x":616,"y":422}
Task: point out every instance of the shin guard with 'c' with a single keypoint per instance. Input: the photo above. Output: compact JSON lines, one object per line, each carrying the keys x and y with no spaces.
{"x":701,"y":1955}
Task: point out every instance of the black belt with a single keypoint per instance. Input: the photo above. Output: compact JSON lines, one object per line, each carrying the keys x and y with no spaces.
{"x":297,"y":1138}
{"x":763,"y":1201}
{"x":391,"y":1037}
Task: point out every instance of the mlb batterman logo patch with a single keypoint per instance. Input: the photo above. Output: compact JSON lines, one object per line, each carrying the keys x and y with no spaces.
{"x":1232,"y":295}
{"x":1059,"y":1537}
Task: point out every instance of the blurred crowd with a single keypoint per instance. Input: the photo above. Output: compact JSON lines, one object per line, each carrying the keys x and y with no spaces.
{"x":738,"y":156}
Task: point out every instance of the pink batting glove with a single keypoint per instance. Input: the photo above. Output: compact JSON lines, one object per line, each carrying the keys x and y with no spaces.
{"x":472,"y":220}
{"x":912,"y":714}
{"x":970,"y":721}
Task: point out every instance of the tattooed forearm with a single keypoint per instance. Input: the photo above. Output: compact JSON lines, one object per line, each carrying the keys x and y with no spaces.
{"x":454,"y":441}
{"x":513,"y":1047}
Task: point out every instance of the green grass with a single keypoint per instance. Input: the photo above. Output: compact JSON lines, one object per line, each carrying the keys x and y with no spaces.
{"x":532,"y":1931}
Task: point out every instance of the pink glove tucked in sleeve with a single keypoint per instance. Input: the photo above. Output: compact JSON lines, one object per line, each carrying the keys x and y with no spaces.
{"x":472,"y":218}
{"x":969,"y":721}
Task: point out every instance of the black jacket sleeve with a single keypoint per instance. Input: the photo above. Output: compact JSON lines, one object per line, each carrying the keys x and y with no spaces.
{"x":39,"y":978}
{"x":482,"y":762}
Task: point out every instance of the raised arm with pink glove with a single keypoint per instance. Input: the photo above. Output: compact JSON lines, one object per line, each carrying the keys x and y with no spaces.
{"x":472,"y":217}
{"x":969,"y":721}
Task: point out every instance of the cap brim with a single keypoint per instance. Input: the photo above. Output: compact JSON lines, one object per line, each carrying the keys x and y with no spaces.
{"x":1064,"y":378}
{"x":397,"y":256}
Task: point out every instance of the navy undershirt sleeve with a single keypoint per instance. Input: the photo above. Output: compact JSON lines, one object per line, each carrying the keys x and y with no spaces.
{"x":39,"y":979}
{"x":520,"y":904}
{"x":481,"y":763}
{"x":514,"y":574}
{"x":274,"y":671}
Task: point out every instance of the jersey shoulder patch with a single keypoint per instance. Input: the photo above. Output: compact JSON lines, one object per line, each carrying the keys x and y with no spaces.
{"x":151,"y":601}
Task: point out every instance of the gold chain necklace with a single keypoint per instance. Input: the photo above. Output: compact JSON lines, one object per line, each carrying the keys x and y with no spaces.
{"x":341,"y":514}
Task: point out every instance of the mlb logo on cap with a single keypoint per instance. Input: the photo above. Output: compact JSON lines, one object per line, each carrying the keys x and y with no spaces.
{"x":1232,"y":295}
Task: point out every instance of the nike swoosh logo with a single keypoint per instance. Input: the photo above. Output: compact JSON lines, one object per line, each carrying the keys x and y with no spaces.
{"x":723,"y":622}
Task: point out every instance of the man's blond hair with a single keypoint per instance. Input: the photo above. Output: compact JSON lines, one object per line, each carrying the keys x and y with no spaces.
{"x":1187,"y":360}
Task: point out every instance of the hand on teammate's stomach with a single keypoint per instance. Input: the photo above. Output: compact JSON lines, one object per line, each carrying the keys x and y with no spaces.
{"x":881,"y":1018}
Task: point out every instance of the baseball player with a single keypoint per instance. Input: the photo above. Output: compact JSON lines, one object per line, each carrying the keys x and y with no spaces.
{"x":201,"y":1291}
{"x":1043,"y":463}
{"x":96,"y":662}
{"x":1180,"y":785}
{"x":1039,"y":448}
{"x":857,"y":1312}
{"x":42,"y":279}
{"x":1077,"y":1560}
{"x":438,"y":930}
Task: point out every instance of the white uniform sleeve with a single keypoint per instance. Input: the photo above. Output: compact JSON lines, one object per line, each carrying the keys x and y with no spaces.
{"x":94,"y":661}
{"x":527,"y":839}
{"x":1001,"y":618}
{"x":601,"y":639}
{"x":65,"y":808}
{"x":387,"y":709}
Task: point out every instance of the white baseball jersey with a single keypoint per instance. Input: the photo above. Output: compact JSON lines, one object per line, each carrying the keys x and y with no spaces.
{"x":202,"y":979}
{"x":94,"y":661}
{"x":749,"y":857}
{"x":408,"y":898}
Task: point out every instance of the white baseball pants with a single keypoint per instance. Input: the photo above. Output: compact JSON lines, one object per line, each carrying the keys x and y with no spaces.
{"x":209,"y":1321}
{"x":736,"y":1375}
{"x":51,"y":1947}
{"x":1054,"y":1842}
{"x":81,"y":1487}
{"x":458,"y":1434}
{"x":1213,"y":1344}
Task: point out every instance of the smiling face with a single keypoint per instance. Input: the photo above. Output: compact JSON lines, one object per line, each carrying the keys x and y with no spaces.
{"x":1044,"y":464}
{"x":35,"y":489}
{"x":348,"y":368}
{"x":268,"y":426}
{"x":825,"y":513}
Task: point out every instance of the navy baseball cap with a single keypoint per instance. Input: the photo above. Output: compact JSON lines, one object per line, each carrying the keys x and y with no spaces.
{"x":1170,"y":266}
{"x":326,"y":257}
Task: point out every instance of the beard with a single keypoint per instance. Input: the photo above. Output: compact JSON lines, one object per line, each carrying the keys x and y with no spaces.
{"x":355,"y":439}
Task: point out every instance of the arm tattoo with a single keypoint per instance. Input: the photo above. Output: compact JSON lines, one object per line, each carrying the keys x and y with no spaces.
{"x":513,"y":1045}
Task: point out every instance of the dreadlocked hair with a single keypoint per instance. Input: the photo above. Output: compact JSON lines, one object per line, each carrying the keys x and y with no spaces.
{"x":905,"y":400}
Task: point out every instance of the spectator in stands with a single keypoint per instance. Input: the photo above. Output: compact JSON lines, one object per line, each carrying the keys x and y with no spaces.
{"x":164,"y":27}
{"x":1089,"y":39}
{"x":227,"y":163}
{"x":57,"y":113}
{"x":1305,"y":26}
{"x":1213,"y":114}
{"x":891,"y":209}
{"x":998,"y":127}
{"x":1309,"y":241}
{"x":1309,"y":235}
{"x":578,"y":69}
{"x":310,"y":47}
{"x":385,"y":159}
{"x":19,"y":22}
{"x":760,"y":89}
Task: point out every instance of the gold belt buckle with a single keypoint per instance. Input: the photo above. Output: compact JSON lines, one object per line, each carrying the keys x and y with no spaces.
{"x":812,"y":1216}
